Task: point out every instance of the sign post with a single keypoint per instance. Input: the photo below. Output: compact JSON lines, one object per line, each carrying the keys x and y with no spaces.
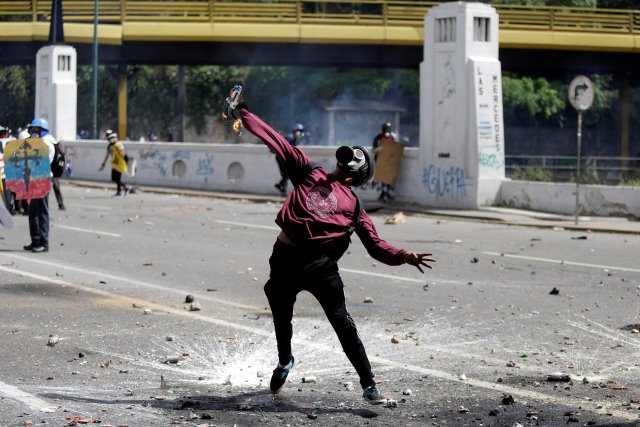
{"x":581,"y":94}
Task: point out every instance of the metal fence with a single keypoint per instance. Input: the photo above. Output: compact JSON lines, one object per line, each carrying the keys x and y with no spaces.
{"x":603,"y":169}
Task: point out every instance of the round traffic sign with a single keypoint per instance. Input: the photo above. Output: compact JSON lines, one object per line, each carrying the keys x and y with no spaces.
{"x":581,"y":93}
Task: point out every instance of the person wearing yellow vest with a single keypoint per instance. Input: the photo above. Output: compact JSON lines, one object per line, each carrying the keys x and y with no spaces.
{"x":119,"y":160}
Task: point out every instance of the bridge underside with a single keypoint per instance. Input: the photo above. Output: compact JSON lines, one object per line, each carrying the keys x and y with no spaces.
{"x":533,"y":61}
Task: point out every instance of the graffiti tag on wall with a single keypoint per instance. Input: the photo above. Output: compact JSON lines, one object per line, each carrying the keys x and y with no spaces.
{"x":205,"y":167}
{"x":445,"y":183}
{"x":153,"y":159}
{"x":491,"y":160}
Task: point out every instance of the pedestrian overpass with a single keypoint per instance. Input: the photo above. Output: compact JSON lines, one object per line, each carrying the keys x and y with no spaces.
{"x":371,"y":33}
{"x":378,"y":33}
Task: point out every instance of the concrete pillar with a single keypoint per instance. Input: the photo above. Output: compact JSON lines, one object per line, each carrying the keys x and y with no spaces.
{"x":625,"y":114}
{"x":56,"y":89}
{"x":461,"y":123}
{"x":122,"y":104}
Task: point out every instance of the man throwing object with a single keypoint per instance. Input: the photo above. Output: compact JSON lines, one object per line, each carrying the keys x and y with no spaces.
{"x":316,"y":222}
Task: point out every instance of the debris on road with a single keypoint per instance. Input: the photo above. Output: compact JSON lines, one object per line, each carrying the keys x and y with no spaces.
{"x":391,"y":403}
{"x":195,"y":306}
{"x":53,"y":340}
{"x":507,"y":399}
{"x":397,"y":218}
{"x":171,"y":359}
{"x":474,"y":260}
{"x":368,"y":300}
{"x":558,"y":376}
{"x":189,"y":298}
{"x":554,"y":291}
{"x":394,"y":340}
{"x":147,"y":311}
{"x":309,"y":379}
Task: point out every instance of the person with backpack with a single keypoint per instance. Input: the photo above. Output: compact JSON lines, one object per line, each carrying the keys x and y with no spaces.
{"x":39,"y":208}
{"x":316,"y":221}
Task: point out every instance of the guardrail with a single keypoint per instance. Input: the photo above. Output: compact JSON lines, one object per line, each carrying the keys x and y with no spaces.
{"x":609,"y":169}
{"x":362,"y":12}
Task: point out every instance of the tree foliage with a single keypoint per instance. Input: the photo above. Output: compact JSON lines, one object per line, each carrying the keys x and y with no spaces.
{"x":17,"y":93}
{"x":536,"y":98}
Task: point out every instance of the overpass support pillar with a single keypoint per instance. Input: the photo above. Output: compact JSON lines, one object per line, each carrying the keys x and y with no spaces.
{"x":625,"y":113}
{"x":461,"y":124}
{"x":57,"y":89}
{"x":123,"y":80}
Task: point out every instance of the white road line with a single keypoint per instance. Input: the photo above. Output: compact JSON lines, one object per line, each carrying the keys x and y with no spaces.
{"x":384,"y":276}
{"x":346,"y":270}
{"x":563,"y":262}
{"x":128,"y":280}
{"x":34,"y":402}
{"x":96,"y":207}
{"x":244,"y":224}
{"x":599,"y":407}
{"x":86,"y":230}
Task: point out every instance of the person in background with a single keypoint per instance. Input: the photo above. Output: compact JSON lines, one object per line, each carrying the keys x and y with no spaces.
{"x":295,"y":138}
{"x":119,"y":160}
{"x":386,"y":134}
{"x":39,"y":208}
{"x":44,"y":134}
{"x":316,"y":222}
{"x":5,"y":137}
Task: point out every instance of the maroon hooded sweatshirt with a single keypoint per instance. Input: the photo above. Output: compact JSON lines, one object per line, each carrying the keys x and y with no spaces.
{"x":318,"y":212}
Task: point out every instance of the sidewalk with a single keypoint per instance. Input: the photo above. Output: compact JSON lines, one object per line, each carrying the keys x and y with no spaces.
{"x":500,"y":215}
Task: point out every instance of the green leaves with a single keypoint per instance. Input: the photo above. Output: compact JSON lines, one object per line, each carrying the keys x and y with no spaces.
{"x":536,"y":97}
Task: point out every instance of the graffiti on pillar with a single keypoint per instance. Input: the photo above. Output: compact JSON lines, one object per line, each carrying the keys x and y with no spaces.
{"x":447,"y":183}
{"x":490,"y":160}
{"x":445,"y":105}
{"x":489,"y":123}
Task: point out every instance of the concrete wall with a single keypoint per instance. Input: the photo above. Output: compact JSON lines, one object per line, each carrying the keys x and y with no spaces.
{"x":560,"y":198}
{"x":252,"y":169}
{"x":241,"y":168}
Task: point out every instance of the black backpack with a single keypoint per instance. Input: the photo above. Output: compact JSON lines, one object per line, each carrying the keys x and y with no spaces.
{"x":59,"y":162}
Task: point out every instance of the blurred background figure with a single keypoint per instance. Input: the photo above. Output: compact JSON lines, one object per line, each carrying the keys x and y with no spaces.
{"x":295,"y":138}
{"x":5,"y":136}
{"x":386,"y":136}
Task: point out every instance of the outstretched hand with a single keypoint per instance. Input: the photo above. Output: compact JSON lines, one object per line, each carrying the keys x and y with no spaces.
{"x":418,"y":259}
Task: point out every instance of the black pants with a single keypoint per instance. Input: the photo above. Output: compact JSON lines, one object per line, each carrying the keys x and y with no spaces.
{"x":55,"y":183}
{"x":39,"y":221}
{"x":117,"y":178}
{"x":293,"y":271}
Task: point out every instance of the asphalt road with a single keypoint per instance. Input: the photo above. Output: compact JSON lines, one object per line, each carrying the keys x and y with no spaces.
{"x":469,"y":343}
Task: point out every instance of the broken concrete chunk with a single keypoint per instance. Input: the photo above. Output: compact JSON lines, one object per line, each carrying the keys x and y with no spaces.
{"x":53,"y":340}
{"x":558,"y":376}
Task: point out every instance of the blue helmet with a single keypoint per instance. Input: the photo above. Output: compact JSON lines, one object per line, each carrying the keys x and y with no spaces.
{"x":40,"y":122}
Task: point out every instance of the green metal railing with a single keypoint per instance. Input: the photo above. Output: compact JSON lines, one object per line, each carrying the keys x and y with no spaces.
{"x":362,"y":12}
